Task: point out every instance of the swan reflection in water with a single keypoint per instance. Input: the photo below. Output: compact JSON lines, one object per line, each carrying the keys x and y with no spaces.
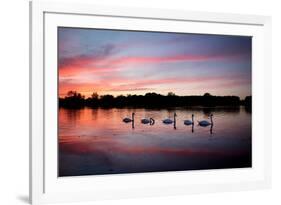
{"x":211,"y":129}
{"x":170,"y":121}
{"x":190,"y":122}
{"x":206,"y":123}
{"x":151,"y":121}
{"x":130,"y":120}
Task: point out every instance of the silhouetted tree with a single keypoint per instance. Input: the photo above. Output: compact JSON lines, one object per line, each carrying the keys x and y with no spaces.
{"x":248,"y":100}
{"x":74,"y":99}
{"x":171,"y":94}
{"x":95,"y":95}
{"x":93,"y":100}
{"x":248,"y":103}
{"x":106,"y":100}
{"x":71,"y":93}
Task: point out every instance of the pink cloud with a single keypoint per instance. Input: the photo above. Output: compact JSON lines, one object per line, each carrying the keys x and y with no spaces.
{"x":106,"y":69}
{"x":116,"y":84}
{"x":167,"y":59}
{"x":105,"y":64}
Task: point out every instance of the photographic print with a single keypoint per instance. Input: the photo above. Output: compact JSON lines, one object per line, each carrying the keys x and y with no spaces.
{"x":145,"y":101}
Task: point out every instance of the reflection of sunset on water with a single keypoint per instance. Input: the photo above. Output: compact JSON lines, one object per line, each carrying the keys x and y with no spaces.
{"x":96,"y":141}
{"x":91,"y":145}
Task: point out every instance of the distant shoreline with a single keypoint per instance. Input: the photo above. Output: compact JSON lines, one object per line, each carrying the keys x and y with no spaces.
{"x":150,"y":100}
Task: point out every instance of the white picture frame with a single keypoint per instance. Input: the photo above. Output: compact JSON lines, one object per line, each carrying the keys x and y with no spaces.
{"x":46,"y":187}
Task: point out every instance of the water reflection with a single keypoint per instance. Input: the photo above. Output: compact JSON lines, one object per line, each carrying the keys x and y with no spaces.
{"x":97,"y":141}
{"x":211,"y":129}
{"x":192,"y":128}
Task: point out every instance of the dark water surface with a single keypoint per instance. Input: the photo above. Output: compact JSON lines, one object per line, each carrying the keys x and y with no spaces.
{"x":96,"y":141}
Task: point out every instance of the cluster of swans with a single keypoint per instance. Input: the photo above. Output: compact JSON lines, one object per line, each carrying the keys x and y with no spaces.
{"x":151,"y":121}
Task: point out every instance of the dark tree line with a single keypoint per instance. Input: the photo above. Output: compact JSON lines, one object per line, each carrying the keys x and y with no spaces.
{"x":152,"y":100}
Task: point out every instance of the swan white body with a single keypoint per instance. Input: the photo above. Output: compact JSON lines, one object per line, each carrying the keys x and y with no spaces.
{"x":170,"y":121}
{"x":127,"y":119}
{"x":145,"y":121}
{"x":189,"y":122}
{"x":205,"y":123}
{"x":148,"y":121}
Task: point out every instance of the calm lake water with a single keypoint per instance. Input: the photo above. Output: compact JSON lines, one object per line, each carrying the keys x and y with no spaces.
{"x":97,"y":141}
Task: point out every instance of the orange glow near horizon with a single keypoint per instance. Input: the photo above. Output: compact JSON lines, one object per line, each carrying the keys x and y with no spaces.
{"x":122,"y":63}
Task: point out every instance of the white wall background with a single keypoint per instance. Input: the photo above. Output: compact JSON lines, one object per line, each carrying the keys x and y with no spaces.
{"x":14,"y":100}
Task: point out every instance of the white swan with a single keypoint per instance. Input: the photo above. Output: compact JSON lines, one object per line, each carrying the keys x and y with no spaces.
{"x":205,"y":123}
{"x":126,"y":119}
{"x":151,"y":121}
{"x":169,"y":121}
{"x":189,"y":122}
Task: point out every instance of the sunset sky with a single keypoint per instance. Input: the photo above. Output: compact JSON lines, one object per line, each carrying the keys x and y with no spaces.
{"x":130,"y":62}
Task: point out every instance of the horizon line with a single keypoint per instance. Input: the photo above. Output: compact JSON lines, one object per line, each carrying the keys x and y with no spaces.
{"x":173,"y":94}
